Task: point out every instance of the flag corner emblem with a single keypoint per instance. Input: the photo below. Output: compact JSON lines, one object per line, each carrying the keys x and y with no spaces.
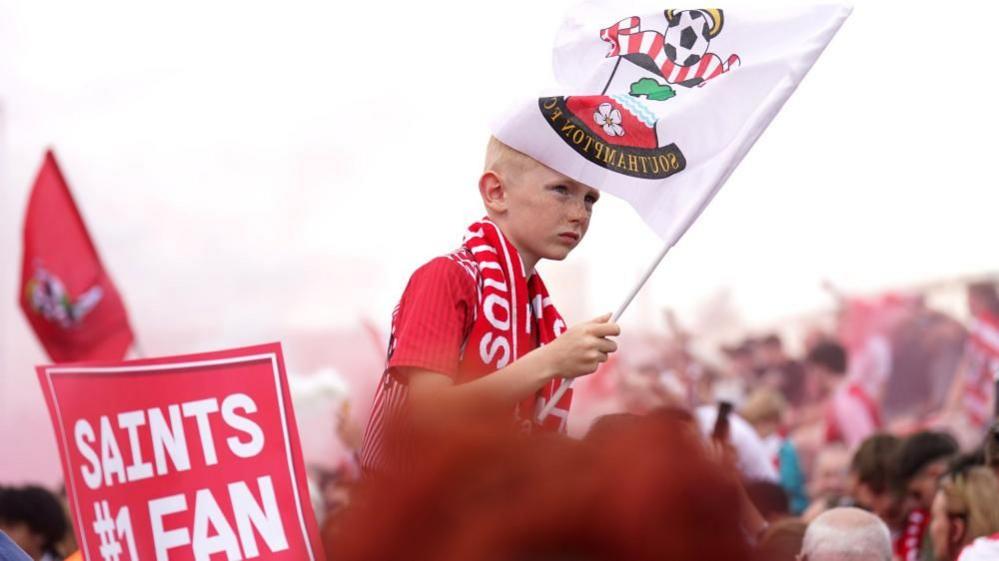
{"x":46,"y":295}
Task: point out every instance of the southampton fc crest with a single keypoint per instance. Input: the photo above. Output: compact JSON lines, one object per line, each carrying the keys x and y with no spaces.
{"x":616,"y":132}
{"x":47,"y":296}
{"x":623,"y":129}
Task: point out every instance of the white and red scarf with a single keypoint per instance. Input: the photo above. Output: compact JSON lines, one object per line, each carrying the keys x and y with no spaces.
{"x":909,"y":542}
{"x":514,"y":316}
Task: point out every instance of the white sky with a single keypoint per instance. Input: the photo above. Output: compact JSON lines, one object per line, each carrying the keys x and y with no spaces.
{"x":249,"y":168}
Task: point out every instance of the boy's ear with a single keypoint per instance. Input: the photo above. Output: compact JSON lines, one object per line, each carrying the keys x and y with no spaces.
{"x":493,"y":192}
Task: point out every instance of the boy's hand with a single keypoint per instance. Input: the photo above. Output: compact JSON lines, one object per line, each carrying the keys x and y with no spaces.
{"x":581,"y":349}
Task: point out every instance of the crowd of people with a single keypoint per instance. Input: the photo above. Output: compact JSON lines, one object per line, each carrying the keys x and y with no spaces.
{"x":765,"y":456}
{"x":888,"y":411}
{"x":819,"y":439}
{"x":665,"y":485}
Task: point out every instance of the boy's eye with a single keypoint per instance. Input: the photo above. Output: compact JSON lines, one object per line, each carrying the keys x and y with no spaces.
{"x":561,"y":189}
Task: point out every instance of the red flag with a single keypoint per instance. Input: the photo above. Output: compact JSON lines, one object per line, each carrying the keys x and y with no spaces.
{"x":66,"y":294}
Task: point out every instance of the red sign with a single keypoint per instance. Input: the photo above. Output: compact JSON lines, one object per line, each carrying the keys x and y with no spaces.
{"x":188,"y":458}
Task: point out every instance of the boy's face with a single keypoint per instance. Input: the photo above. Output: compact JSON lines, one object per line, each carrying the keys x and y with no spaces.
{"x":546,"y":213}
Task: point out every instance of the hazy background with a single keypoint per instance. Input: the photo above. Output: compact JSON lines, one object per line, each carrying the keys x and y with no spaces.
{"x":256,"y":172}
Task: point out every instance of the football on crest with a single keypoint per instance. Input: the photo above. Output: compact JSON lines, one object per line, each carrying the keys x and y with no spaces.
{"x":687,"y":37}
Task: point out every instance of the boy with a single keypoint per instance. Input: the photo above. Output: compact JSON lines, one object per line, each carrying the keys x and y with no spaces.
{"x":475,"y":329}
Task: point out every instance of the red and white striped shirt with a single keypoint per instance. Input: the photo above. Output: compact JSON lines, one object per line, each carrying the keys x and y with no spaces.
{"x":983,"y":369}
{"x":429,"y":329}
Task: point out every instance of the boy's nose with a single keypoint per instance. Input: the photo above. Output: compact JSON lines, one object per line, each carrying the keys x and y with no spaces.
{"x":578,"y":212}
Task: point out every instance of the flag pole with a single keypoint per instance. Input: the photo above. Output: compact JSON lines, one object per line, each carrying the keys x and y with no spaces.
{"x":674,"y":236}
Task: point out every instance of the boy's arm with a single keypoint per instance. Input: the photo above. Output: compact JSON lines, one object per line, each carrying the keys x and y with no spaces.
{"x":577,"y":352}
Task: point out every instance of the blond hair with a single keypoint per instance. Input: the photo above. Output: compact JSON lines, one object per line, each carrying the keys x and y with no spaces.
{"x":975,"y":495}
{"x":504,"y":160}
{"x":764,"y":405}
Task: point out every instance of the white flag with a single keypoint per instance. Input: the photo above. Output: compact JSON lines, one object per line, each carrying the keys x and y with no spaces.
{"x":663,"y":104}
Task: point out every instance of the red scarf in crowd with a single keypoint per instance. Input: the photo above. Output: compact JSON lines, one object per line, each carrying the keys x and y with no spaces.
{"x":514,"y":316}
{"x":910,"y":540}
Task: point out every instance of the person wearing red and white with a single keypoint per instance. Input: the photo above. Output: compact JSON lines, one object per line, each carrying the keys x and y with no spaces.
{"x":972,"y":394}
{"x":852,"y":414}
{"x":476,"y":328}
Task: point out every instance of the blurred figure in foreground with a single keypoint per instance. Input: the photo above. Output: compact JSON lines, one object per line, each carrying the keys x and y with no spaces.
{"x":766,"y":411}
{"x":9,"y":550}
{"x":846,"y":534}
{"x":965,"y":508}
{"x":636,"y":489}
{"x":852,"y":414}
{"x":990,"y":448}
{"x":749,"y":453}
{"x":770,"y":499}
{"x":781,"y":541}
{"x":972,"y":393}
{"x":738,"y":375}
{"x":870,"y":477}
{"x":780,"y":372}
{"x":919,"y":463}
{"x":828,"y":484}
{"x":34,"y":519}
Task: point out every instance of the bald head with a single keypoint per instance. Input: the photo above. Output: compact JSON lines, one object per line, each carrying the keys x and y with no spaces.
{"x":846,"y":534}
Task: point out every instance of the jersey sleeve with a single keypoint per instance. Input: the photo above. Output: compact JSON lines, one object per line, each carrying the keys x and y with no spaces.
{"x":435,"y":316}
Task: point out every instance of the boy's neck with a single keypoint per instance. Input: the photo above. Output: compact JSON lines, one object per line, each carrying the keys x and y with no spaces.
{"x":528,"y":265}
{"x":526,"y":260}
